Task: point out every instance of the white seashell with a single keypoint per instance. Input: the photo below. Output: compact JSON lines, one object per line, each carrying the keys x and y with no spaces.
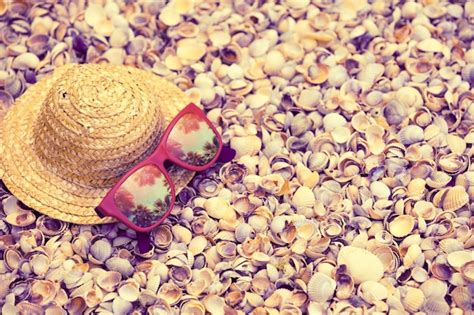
{"x":402,"y":225}
{"x":371,"y":72}
{"x":248,"y":145}
{"x":321,"y":287}
{"x":259,"y":47}
{"x":455,"y":198}
{"x":25,"y":61}
{"x":219,"y":208}
{"x":214,"y":304}
{"x":361,"y":264}
{"x":181,"y":234}
{"x":119,"y":38}
{"x":434,"y":288}
{"x":120,"y":265}
{"x":372,"y":291}
{"x":121,"y":306}
{"x":380,"y":190}
{"x":101,"y":250}
{"x":197,"y":244}
{"x":129,"y":291}
{"x":430,"y":45}
{"x":304,"y":197}
{"x":458,"y":258}
{"x":337,"y":75}
{"x":94,"y":14}
{"x":341,"y":134}
{"x":170,"y":16}
{"x":297,"y":4}
{"x":332,"y":121}
{"x":411,"y":134}
{"x":243,"y":231}
{"x":274,"y":62}
{"x":413,"y":299}
{"x":190,"y":49}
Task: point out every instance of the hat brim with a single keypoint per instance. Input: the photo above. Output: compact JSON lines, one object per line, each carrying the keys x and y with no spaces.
{"x":41,"y":188}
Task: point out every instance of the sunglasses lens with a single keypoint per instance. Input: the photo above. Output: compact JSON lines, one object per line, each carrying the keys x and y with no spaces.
{"x":192,"y":140}
{"x":144,"y":196}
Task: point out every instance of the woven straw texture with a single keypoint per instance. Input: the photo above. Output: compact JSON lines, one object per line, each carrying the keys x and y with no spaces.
{"x":70,"y":137}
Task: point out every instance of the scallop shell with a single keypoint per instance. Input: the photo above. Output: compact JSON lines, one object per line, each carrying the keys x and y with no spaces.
{"x":455,"y":198}
{"x":458,"y":258}
{"x":109,"y":280}
{"x":436,"y":306}
{"x":249,"y":145}
{"x":434,"y":288}
{"x":411,"y":134}
{"x":413,"y":299}
{"x":467,"y":271}
{"x":361,"y":264}
{"x":462,"y":297}
{"x":304,"y":197}
{"x":129,"y":290}
{"x":372,"y":291}
{"x":321,"y":287}
{"x":194,"y":307}
{"x":402,"y":225}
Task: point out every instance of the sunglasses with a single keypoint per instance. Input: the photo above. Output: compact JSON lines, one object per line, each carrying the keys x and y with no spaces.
{"x":144,"y":197}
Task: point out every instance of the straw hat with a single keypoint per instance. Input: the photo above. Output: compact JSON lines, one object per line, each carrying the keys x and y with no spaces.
{"x":71,"y":136}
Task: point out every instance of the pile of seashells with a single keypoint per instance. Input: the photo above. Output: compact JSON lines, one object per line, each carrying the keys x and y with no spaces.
{"x":353,"y":186}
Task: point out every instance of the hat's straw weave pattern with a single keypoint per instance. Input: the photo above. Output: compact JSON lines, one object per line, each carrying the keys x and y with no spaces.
{"x":71,"y":136}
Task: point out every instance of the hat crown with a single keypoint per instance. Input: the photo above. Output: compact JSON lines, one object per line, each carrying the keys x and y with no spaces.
{"x":95,"y":124}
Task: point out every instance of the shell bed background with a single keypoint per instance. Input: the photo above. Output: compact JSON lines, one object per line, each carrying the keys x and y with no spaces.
{"x":353,"y":186}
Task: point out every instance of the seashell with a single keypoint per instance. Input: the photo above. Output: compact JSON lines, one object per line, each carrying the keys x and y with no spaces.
{"x":425,"y":210}
{"x":121,"y":265}
{"x":380,"y":190}
{"x":316,"y":74}
{"x":361,"y":264}
{"x":100,"y":250}
{"x":129,"y":291}
{"x":303,"y":197}
{"x":321,"y":287}
{"x":402,"y":225}
{"x":441,"y":271}
{"x":43,"y":291}
{"x":182,"y":234}
{"x":49,"y":226}
{"x":197,"y":245}
{"x":458,"y":258}
{"x":94,"y":14}
{"x":371,"y":72}
{"x":25,"y":61}
{"x":412,"y":255}
{"x":467,"y":271}
{"x":374,"y":136}
{"x":109,"y":280}
{"x":438,"y":180}
{"x":411,"y":134}
{"x":25,"y":307}
{"x":430,"y":45}
{"x":214,"y":304}
{"x":450,"y":245}
{"x":462,"y":297}
{"x":121,"y":306}
{"x":170,"y":293}
{"x":219,"y":208}
{"x":190,"y":49}
{"x":162,"y":237}
{"x":169,"y":16}
{"x":12,"y":258}
{"x":187,"y":29}
{"x":180,"y":275}
{"x":434,"y":288}
{"x":435,"y":306}
{"x":249,"y":145}
{"x":332,"y":121}
{"x":455,"y":198}
{"x":21,"y":218}
{"x":40,"y":264}
{"x":193,"y":307}
{"x":372,"y":291}
{"x":413,"y":299}
{"x":456,"y":144}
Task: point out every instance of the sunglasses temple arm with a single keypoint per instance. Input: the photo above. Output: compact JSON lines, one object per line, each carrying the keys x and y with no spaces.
{"x":144,"y":244}
{"x":226,"y":155}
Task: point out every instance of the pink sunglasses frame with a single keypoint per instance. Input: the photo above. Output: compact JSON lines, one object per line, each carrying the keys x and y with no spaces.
{"x":158,"y":157}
